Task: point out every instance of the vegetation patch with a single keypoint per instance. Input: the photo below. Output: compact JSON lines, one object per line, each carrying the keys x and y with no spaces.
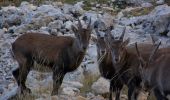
{"x":138,"y":12}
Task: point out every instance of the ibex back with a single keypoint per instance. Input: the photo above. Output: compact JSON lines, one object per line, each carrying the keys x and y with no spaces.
{"x":155,"y":72}
{"x":61,"y":54}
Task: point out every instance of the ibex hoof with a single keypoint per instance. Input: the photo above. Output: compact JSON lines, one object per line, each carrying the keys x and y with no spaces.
{"x":28,"y":90}
{"x":54,"y":93}
{"x":25,"y":90}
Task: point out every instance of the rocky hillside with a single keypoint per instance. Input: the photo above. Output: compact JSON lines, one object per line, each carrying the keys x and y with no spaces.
{"x":55,"y":18}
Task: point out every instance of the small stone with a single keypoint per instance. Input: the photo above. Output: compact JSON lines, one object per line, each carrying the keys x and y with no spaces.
{"x":55,"y":24}
{"x":146,"y":4}
{"x":68,"y":25}
{"x":24,"y":3}
{"x":101,"y":86}
{"x":90,"y":95}
{"x":93,"y":8}
{"x":57,"y":4}
{"x":98,"y":98}
{"x":54,"y":98}
{"x":53,"y":32}
{"x":70,"y":91}
{"x":80,"y":98}
{"x":159,"y":2}
{"x":98,"y":6}
{"x":113,"y":0}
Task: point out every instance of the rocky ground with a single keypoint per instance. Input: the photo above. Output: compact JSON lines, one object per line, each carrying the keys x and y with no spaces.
{"x":56,"y":18}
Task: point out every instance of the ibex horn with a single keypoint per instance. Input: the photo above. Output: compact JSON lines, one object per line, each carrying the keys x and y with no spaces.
{"x":138,"y":54}
{"x":79,"y":24}
{"x":89,"y":23}
{"x":154,"y":51}
{"x":123,"y":33}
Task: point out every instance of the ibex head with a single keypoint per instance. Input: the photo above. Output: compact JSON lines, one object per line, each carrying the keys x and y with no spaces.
{"x":82,"y":34}
{"x":100,"y":42}
{"x":117,"y":46}
{"x":144,"y":63}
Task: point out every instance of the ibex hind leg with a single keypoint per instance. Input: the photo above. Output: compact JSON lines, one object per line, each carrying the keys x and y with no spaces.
{"x":57,"y":81}
{"x":159,"y":96}
{"x":131,"y":91}
{"x":118,"y":90}
{"x":111,"y":91}
{"x":20,"y":74}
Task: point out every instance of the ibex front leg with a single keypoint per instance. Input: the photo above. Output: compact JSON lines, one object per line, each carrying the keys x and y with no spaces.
{"x":115,"y":86}
{"x":57,"y":81}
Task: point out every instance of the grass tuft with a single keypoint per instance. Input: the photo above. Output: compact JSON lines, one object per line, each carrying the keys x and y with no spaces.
{"x":88,"y":81}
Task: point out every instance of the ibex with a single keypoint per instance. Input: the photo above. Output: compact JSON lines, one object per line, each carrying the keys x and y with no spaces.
{"x":106,"y":66}
{"x":61,"y":54}
{"x":155,"y":71}
{"x":126,"y":63}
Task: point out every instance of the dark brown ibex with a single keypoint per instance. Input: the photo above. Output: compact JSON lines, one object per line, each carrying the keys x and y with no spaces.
{"x":155,"y":71}
{"x":61,"y":54}
{"x":126,"y":63}
{"x":106,"y":66}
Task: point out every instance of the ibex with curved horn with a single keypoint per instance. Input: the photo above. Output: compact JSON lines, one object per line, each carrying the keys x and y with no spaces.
{"x":106,"y":66}
{"x":155,"y":71}
{"x":61,"y":54}
{"x":126,"y":63}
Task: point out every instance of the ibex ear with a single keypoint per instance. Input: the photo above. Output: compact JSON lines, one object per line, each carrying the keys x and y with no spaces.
{"x":126,"y":42}
{"x":106,"y":37}
{"x":97,"y":32}
{"x":93,"y":38}
{"x":89,"y":25}
{"x":107,"y":41}
{"x":154,"y":39}
{"x":75,"y":30}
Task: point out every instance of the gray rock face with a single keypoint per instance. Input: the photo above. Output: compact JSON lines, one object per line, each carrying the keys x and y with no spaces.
{"x":159,"y":19}
{"x":157,"y":22}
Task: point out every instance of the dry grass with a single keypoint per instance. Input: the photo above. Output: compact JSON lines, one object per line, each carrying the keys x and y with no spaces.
{"x":88,"y":81}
